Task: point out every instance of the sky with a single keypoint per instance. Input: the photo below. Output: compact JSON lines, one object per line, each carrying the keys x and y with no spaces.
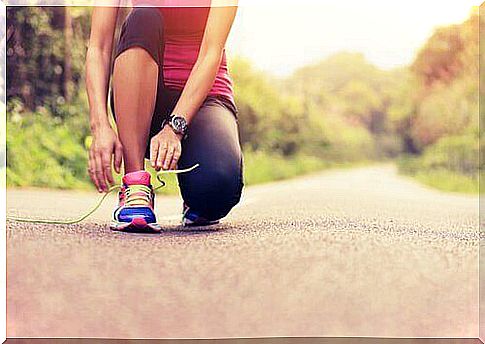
{"x":279,"y":36}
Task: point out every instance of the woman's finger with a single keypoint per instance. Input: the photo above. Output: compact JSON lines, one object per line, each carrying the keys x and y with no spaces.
{"x":175,"y":159}
{"x":99,"y":173}
{"x":107,"y":172}
{"x":92,"y":170}
{"x":167,"y":162}
{"x":118,"y":157}
{"x":154,"y":147}
{"x":162,"y":153}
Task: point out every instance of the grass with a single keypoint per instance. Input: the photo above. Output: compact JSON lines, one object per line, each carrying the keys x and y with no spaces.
{"x":439,"y":178}
{"x":448,"y":181}
{"x":262,"y":167}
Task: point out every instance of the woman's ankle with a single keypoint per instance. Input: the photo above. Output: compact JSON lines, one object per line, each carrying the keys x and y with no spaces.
{"x":133,"y":165}
{"x":130,"y":168}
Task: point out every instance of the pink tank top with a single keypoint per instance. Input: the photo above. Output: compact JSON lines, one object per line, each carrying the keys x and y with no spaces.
{"x":185,"y":22}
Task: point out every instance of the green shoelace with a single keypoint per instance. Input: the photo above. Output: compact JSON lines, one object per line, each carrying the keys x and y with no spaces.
{"x":98,"y":203}
{"x":138,"y":195}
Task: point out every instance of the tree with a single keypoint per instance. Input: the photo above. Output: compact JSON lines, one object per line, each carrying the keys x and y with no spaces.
{"x":45,"y":54}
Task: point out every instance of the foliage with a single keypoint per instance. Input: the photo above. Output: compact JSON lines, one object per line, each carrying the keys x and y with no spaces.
{"x":443,"y":179}
{"x":45,"y":54}
{"x":447,"y":71}
{"x":450,"y":53}
{"x":444,"y":125}
{"x":268,"y":120}
{"x":45,"y":151}
{"x":348,"y":90}
{"x":446,"y":110}
{"x":261,"y":167}
{"x":458,"y":154}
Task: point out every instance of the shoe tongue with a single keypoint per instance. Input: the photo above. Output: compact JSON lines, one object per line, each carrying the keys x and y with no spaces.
{"x":137,"y":178}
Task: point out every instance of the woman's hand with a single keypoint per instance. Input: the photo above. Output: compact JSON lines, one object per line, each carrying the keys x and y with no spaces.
{"x":165,"y":149}
{"x":105,"y":145}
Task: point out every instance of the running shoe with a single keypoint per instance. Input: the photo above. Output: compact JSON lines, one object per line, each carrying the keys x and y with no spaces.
{"x":191,"y":219}
{"x":136,"y":203}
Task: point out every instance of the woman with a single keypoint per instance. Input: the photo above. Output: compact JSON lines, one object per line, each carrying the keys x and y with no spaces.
{"x":172,"y":99}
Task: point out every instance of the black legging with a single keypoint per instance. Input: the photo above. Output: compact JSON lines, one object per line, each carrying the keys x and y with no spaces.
{"x":212,"y":141}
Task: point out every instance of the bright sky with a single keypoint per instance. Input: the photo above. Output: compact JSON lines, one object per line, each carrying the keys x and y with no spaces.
{"x":279,"y":36}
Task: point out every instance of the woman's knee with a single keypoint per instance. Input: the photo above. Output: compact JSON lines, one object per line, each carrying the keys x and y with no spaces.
{"x":213,"y":193}
{"x":145,"y":20}
{"x":143,"y":28}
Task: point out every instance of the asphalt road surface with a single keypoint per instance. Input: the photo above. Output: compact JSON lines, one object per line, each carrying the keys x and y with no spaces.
{"x":360,"y":252}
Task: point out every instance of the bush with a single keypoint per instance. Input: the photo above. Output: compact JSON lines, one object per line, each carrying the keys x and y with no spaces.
{"x":262,"y":167}
{"x":452,"y":164}
{"x":44,"y":152}
{"x":456,"y":153}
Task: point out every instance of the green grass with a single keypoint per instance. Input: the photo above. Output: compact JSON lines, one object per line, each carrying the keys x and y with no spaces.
{"x":448,"y":181}
{"x":263,"y":167}
{"x":438,"y":177}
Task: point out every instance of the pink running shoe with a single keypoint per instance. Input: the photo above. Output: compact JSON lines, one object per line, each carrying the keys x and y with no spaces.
{"x":136,"y":203}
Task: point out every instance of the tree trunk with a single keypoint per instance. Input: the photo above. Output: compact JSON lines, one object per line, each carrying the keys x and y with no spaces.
{"x":68,"y":35}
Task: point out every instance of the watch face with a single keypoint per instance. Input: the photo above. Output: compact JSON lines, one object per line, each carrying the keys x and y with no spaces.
{"x":179,"y":124}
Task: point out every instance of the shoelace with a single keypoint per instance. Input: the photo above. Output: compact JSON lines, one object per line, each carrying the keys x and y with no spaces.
{"x":99,"y":202}
{"x":138,"y":195}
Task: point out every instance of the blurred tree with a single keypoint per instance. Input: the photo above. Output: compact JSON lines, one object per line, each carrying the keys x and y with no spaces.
{"x":268,"y":120}
{"x":45,"y":54}
{"x":447,"y":95}
{"x":363,"y":105}
{"x":68,"y":36}
{"x":347,"y":86}
{"x":438,"y":60}
{"x":451,"y":52}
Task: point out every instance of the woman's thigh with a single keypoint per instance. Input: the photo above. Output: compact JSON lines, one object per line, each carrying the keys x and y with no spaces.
{"x":212,"y":142}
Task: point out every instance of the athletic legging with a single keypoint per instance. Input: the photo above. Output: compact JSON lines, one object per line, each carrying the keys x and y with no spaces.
{"x":212,"y":140}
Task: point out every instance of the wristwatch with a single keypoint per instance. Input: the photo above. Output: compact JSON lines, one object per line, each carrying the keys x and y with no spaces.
{"x":177,"y":123}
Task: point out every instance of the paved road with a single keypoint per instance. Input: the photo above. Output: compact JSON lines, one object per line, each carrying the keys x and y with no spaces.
{"x":359,"y":252}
